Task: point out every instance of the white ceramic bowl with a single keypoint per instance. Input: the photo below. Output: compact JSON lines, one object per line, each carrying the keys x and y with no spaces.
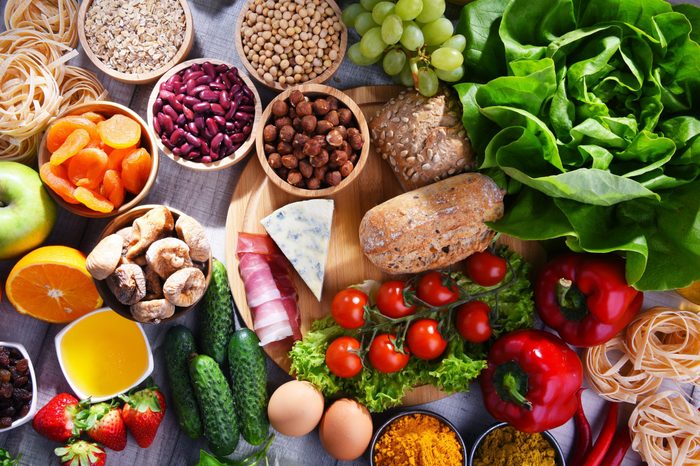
{"x":78,"y":392}
{"x":32,"y":407}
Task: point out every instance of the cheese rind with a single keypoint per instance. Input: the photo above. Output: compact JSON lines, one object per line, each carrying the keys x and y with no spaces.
{"x":302,"y":230}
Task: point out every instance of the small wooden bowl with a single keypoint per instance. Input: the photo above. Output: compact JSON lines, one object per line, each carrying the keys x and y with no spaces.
{"x":220,"y":164}
{"x":276,"y":86}
{"x":106,"y":109}
{"x":313,"y":90}
{"x":137,"y":78}
{"x":123,"y":221}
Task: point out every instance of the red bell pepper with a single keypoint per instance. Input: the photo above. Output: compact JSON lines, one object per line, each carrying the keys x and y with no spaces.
{"x":586,"y":298}
{"x":531,"y":380}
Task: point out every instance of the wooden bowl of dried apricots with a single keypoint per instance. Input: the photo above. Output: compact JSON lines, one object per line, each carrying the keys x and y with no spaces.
{"x":98,"y":160}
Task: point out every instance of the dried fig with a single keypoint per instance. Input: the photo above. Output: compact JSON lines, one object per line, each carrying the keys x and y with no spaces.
{"x":192,"y":233}
{"x":185,"y":287}
{"x":104,"y":258}
{"x":128,"y":284}
{"x":154,"y":225}
{"x":154,"y":287}
{"x":168,"y":255}
{"x":152,"y":311}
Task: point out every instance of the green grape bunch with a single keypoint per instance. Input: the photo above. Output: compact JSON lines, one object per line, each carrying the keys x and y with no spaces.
{"x":412,"y":39}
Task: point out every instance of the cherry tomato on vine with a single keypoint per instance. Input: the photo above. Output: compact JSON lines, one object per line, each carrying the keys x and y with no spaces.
{"x":432,"y":291}
{"x":341,"y":358}
{"x":348,"y":308}
{"x":383,"y":355}
{"x":425,"y":340}
{"x":390,"y":300}
{"x":486,"y":269}
{"x":473,"y":321}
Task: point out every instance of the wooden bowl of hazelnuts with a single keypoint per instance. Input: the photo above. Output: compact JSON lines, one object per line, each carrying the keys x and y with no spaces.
{"x":314,"y":141}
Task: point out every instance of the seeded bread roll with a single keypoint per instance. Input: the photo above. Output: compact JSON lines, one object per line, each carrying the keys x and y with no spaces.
{"x":422,"y":138}
{"x":432,"y":227}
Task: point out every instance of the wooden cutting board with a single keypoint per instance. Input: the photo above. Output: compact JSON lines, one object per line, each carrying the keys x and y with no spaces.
{"x":256,"y":197}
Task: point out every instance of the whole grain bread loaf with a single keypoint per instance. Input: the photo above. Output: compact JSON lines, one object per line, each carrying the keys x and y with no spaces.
{"x":422,"y":138}
{"x":433,"y":226}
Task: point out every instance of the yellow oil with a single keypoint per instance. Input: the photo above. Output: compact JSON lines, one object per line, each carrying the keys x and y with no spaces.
{"x":104,"y":354}
{"x":691,"y":293}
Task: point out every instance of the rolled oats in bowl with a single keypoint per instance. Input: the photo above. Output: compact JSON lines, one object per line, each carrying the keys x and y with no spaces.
{"x":135,"y":36}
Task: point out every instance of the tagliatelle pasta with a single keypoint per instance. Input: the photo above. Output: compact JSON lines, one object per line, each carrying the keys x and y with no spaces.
{"x":609,"y":371}
{"x":80,"y":86}
{"x":57,"y":18}
{"x":665,"y":430}
{"x":21,"y":151}
{"x":29,"y":96}
{"x":51,"y":53}
{"x":665,"y":342}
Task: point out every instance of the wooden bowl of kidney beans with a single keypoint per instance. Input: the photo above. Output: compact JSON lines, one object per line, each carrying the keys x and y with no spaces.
{"x":17,"y":386}
{"x":204,"y":113}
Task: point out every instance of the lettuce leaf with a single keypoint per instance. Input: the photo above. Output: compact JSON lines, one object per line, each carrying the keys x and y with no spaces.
{"x":587,"y":113}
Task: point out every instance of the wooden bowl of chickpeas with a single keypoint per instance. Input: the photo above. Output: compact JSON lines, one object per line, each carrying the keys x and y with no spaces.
{"x":291,"y":42}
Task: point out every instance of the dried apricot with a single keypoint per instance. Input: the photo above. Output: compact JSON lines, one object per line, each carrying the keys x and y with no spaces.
{"x":113,"y":188}
{"x":75,"y":141}
{"x":87,"y":167}
{"x":93,"y":200}
{"x":117,"y":156}
{"x":136,"y":168}
{"x":94,"y":117}
{"x":55,"y":178}
{"x":119,"y":131}
{"x":63,"y":127}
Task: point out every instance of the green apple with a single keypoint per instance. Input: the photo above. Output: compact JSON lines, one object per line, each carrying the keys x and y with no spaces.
{"x":27,"y":213}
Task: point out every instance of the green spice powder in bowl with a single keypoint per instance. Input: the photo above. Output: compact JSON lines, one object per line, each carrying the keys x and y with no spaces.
{"x":503,"y":445}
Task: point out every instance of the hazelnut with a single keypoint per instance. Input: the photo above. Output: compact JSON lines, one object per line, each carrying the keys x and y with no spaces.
{"x":320,"y":172}
{"x":353,"y":158}
{"x":296,"y":123}
{"x":308,"y":123}
{"x":339,"y":157}
{"x":312,"y":148}
{"x":299,"y":153}
{"x":333,"y":117}
{"x":334,"y":138}
{"x":323,"y":126}
{"x":347,"y":148}
{"x":355,"y":140}
{"x":343,"y":131}
{"x":306,"y":169}
{"x":294,"y":177}
{"x":321,"y":107}
{"x":332,"y":102}
{"x":313,"y":183}
{"x":275,"y":160}
{"x":284,"y":148}
{"x":295,"y":97}
{"x":345,"y":116}
{"x":284,"y":121}
{"x":269,"y":133}
{"x":292,"y":113}
{"x":287,"y":133}
{"x":333,"y":178}
{"x":299,"y":140}
{"x":280,"y":108}
{"x":304,"y":108}
{"x":346,"y":168}
{"x":269,"y":148}
{"x":289,"y":161}
{"x":319,"y":159}
{"x":282,"y":172}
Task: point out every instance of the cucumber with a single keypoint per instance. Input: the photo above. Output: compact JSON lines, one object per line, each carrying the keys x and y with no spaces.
{"x":215,"y":405}
{"x":216,"y":319}
{"x":249,"y":382}
{"x":179,"y":345}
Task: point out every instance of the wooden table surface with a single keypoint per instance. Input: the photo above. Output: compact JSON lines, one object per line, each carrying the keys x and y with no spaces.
{"x":206,"y":197}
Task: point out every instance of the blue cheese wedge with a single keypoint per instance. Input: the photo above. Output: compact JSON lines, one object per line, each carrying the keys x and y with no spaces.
{"x":302,"y":230}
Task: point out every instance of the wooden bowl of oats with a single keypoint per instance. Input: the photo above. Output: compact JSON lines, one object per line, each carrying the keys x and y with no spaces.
{"x":135,"y":44}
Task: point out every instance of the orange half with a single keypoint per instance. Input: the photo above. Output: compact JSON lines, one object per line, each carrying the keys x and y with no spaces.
{"x":53,"y":285}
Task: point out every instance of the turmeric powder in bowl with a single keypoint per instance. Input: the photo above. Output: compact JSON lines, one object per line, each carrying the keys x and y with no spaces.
{"x":506,"y":446}
{"x":420,"y":439}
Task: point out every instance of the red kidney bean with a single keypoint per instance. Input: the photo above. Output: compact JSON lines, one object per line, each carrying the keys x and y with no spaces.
{"x":218,"y":109}
{"x":176,"y":135}
{"x":192,"y":128}
{"x":190,"y":101}
{"x":216,"y":142}
{"x":189,"y":114}
{"x":173,"y":80}
{"x":203,"y":80}
{"x":221,"y":121}
{"x":176,"y":151}
{"x":170,"y":111}
{"x":192,"y":139}
{"x":221,"y":68}
{"x":166,"y":123}
{"x":166,"y":94}
{"x":212,"y":126}
{"x":196,"y":90}
{"x":189,"y":86}
{"x":238,"y":138}
{"x":204,"y":148}
{"x":209,"y":96}
{"x":202,"y":107}
{"x":231,"y":111}
{"x":156,"y":125}
{"x":209,"y":133}
{"x":225,"y":100}
{"x":247,"y":108}
{"x":241,"y":116}
{"x":167,"y":87}
{"x":230,"y":126}
{"x":193,"y":154}
{"x":217,"y":86}
{"x":192,"y":74}
{"x":247,"y":129}
{"x":177,"y":106}
{"x":157,"y":105}
{"x":186,"y":148}
{"x":166,"y":142}
{"x":199,"y":121}
{"x":206,"y":159}
{"x":227,"y":141}
{"x":225,"y":80}
{"x":181,"y":120}
{"x":209,"y":69}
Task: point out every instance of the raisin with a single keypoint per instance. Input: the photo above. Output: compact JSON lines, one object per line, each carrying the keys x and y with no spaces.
{"x":21,"y":394}
{"x":5,"y":375}
{"x":5,"y":422}
{"x":7,"y":412}
{"x":21,"y":381}
{"x":24,"y":410}
{"x":5,"y":390}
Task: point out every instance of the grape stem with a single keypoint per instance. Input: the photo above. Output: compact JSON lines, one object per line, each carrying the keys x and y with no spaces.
{"x":414,"y":70}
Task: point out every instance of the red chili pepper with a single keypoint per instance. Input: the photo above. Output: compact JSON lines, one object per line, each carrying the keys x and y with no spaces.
{"x":586,"y":298}
{"x":531,"y":380}
{"x":584,"y":438}
{"x":617,"y":451}
{"x":607,"y":432}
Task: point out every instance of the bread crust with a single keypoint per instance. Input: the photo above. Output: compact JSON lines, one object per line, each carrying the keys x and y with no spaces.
{"x":432,"y":227}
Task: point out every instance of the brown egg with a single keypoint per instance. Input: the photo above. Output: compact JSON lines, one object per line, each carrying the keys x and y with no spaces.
{"x":346,"y":429}
{"x":295,"y":408}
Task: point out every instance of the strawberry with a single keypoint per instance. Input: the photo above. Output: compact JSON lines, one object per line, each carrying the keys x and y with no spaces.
{"x":55,"y":420}
{"x":81,"y":453}
{"x":142,"y":413}
{"x":103,"y":423}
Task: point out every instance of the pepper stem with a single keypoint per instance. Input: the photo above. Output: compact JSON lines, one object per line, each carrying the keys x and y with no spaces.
{"x":510,"y":383}
{"x":571,"y":301}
